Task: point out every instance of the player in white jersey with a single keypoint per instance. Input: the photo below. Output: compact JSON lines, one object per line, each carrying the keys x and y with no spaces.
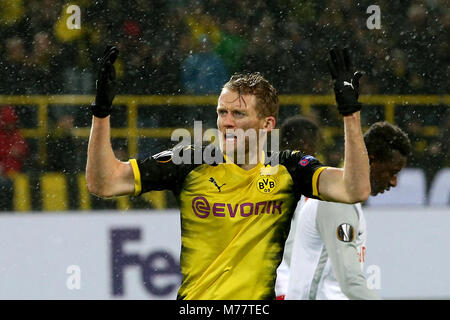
{"x":297,"y":133}
{"x":328,"y":244}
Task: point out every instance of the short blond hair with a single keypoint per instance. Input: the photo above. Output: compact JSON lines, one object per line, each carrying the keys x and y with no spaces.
{"x":255,"y":84}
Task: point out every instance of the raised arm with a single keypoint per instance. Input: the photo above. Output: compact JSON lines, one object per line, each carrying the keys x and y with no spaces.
{"x":106,"y":176}
{"x":352,"y":183}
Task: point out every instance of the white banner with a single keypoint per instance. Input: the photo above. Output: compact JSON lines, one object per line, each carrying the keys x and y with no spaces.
{"x":408,"y":249}
{"x":135,"y":255}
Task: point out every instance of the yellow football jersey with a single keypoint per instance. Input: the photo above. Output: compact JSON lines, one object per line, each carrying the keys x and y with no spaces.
{"x":234,"y":222}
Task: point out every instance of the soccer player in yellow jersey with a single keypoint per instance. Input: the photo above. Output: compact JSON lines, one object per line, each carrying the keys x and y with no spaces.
{"x":235,"y":215}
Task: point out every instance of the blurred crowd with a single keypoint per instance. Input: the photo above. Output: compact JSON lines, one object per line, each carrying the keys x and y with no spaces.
{"x":172,"y":46}
{"x":192,"y":47}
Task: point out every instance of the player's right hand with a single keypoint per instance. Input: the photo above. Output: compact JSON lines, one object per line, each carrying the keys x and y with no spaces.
{"x":106,"y":84}
{"x":346,"y":81}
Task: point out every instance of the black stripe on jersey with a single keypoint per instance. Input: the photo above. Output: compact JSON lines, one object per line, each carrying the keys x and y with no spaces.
{"x":300,"y":166}
{"x":159,"y":172}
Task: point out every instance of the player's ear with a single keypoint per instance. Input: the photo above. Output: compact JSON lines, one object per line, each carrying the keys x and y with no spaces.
{"x":269,"y":123}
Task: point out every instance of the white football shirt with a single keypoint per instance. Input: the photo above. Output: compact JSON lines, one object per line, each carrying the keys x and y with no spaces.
{"x":326,"y":254}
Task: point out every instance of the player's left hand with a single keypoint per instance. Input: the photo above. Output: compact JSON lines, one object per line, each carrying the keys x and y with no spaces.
{"x":346,"y":81}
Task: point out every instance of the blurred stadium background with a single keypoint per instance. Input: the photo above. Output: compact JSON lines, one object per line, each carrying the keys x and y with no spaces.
{"x":174,"y":57}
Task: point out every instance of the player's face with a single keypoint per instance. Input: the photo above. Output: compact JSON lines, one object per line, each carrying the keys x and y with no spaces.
{"x":234,"y":112}
{"x":383,"y":174}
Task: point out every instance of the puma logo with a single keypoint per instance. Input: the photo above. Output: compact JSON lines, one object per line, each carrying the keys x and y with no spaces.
{"x":215,"y":183}
{"x":348,"y":84}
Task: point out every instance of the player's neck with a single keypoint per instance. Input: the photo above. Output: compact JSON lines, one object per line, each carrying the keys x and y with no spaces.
{"x":247,"y":167}
{"x":251,"y":160}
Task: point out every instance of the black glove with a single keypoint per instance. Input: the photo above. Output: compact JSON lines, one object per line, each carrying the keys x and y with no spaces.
{"x":106,"y":84}
{"x":346,"y":81}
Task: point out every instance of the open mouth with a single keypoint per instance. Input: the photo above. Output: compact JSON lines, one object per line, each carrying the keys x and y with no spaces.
{"x":230,"y":137}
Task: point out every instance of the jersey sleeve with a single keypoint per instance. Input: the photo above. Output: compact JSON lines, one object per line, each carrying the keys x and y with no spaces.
{"x":160,"y":172}
{"x":304,"y":170}
{"x":338,"y":225}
